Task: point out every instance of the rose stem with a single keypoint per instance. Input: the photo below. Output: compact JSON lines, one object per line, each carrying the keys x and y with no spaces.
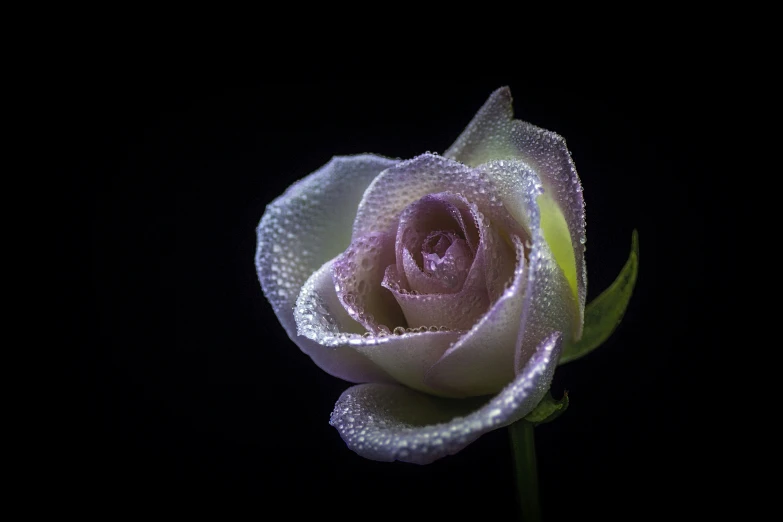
{"x":523,"y":447}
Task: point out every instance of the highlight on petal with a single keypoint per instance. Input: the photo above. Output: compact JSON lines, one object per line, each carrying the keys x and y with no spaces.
{"x":604,"y":313}
{"x":388,"y":422}
{"x":402,"y":355}
{"x":482,"y":361}
{"x":537,"y":302}
{"x":456,"y":311}
{"x":494,"y":134}
{"x":302,"y":229}
{"x":435,"y":244}
{"x":549,"y":305}
{"x":357,"y":275}
{"x":446,"y":285}
{"x":409,"y":181}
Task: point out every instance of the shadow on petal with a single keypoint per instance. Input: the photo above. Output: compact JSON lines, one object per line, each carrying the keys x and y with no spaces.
{"x":388,"y":422}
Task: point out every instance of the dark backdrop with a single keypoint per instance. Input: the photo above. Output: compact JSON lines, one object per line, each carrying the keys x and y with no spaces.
{"x":188,"y":387}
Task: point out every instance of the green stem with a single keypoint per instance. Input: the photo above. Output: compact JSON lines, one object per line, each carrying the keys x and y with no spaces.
{"x":523,"y":447}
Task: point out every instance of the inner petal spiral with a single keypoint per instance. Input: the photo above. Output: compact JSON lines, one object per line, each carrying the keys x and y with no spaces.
{"x":446,"y":257}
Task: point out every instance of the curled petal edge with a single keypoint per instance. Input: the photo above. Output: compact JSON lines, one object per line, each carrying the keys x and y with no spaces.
{"x":388,"y":422}
{"x":494,"y":134}
{"x":311,"y":224}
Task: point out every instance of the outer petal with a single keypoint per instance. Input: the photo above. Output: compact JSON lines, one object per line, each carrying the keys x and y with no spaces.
{"x":537,"y":302}
{"x":549,"y":304}
{"x":387,"y":422}
{"x":302,"y":229}
{"x":403,"y":357}
{"x":493,"y":134}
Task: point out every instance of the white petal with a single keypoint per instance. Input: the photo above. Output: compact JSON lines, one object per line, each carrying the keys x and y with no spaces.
{"x":402,"y":358}
{"x":538,"y":302}
{"x":302,"y":229}
{"x":387,"y":422}
{"x":482,"y":361}
{"x":494,"y":134}
{"x":549,"y":303}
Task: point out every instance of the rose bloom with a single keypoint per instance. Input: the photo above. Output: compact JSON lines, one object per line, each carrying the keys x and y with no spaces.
{"x":446,"y":284}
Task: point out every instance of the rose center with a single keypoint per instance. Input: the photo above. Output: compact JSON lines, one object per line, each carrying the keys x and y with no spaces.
{"x":446,"y":257}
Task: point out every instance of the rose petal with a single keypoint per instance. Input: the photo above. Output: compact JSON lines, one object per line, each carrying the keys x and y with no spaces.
{"x":357,"y":275}
{"x":387,"y":422}
{"x":399,"y":186}
{"x":302,"y":229}
{"x":433,"y":212}
{"x":499,"y":260}
{"x":457,"y":311}
{"x":538,"y":302}
{"x":413,"y":279}
{"x":404,"y":357}
{"x":325,"y":331}
{"x":494,"y":134}
{"x":482,"y":361}
{"x":448,"y":264}
{"x":549,"y":303}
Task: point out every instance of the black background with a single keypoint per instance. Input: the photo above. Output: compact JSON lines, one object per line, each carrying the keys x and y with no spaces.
{"x":187,"y":387}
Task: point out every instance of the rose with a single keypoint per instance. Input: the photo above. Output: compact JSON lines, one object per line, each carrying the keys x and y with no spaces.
{"x":438,"y":281}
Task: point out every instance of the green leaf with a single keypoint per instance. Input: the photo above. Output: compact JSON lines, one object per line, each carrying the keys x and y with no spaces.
{"x":548,"y":409}
{"x":606,"y":311}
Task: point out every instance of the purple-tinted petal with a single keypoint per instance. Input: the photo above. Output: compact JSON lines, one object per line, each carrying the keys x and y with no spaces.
{"x":457,"y":311}
{"x":499,"y":257}
{"x":549,"y":303}
{"x":537,"y":302}
{"x":358,"y":273}
{"x":494,"y":134}
{"x":302,"y":229}
{"x":447,"y":262}
{"x":401,"y":355}
{"x":409,"y":181}
{"x":389,"y":422}
{"x":482,"y":361}
{"x":432,"y":213}
{"x":414,"y":279}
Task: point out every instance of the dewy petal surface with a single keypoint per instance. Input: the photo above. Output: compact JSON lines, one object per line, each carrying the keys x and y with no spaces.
{"x":399,"y":186}
{"x":302,"y":229}
{"x":538,"y":301}
{"x":357,"y":275}
{"x":388,"y":422}
{"x":494,"y":134}
{"x":549,"y":304}
{"x":457,"y":311}
{"x":482,"y":361}
{"x":433,"y":214}
{"x":403,"y":357}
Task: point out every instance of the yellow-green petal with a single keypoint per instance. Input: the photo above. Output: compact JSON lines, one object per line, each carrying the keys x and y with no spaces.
{"x":558,"y":236}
